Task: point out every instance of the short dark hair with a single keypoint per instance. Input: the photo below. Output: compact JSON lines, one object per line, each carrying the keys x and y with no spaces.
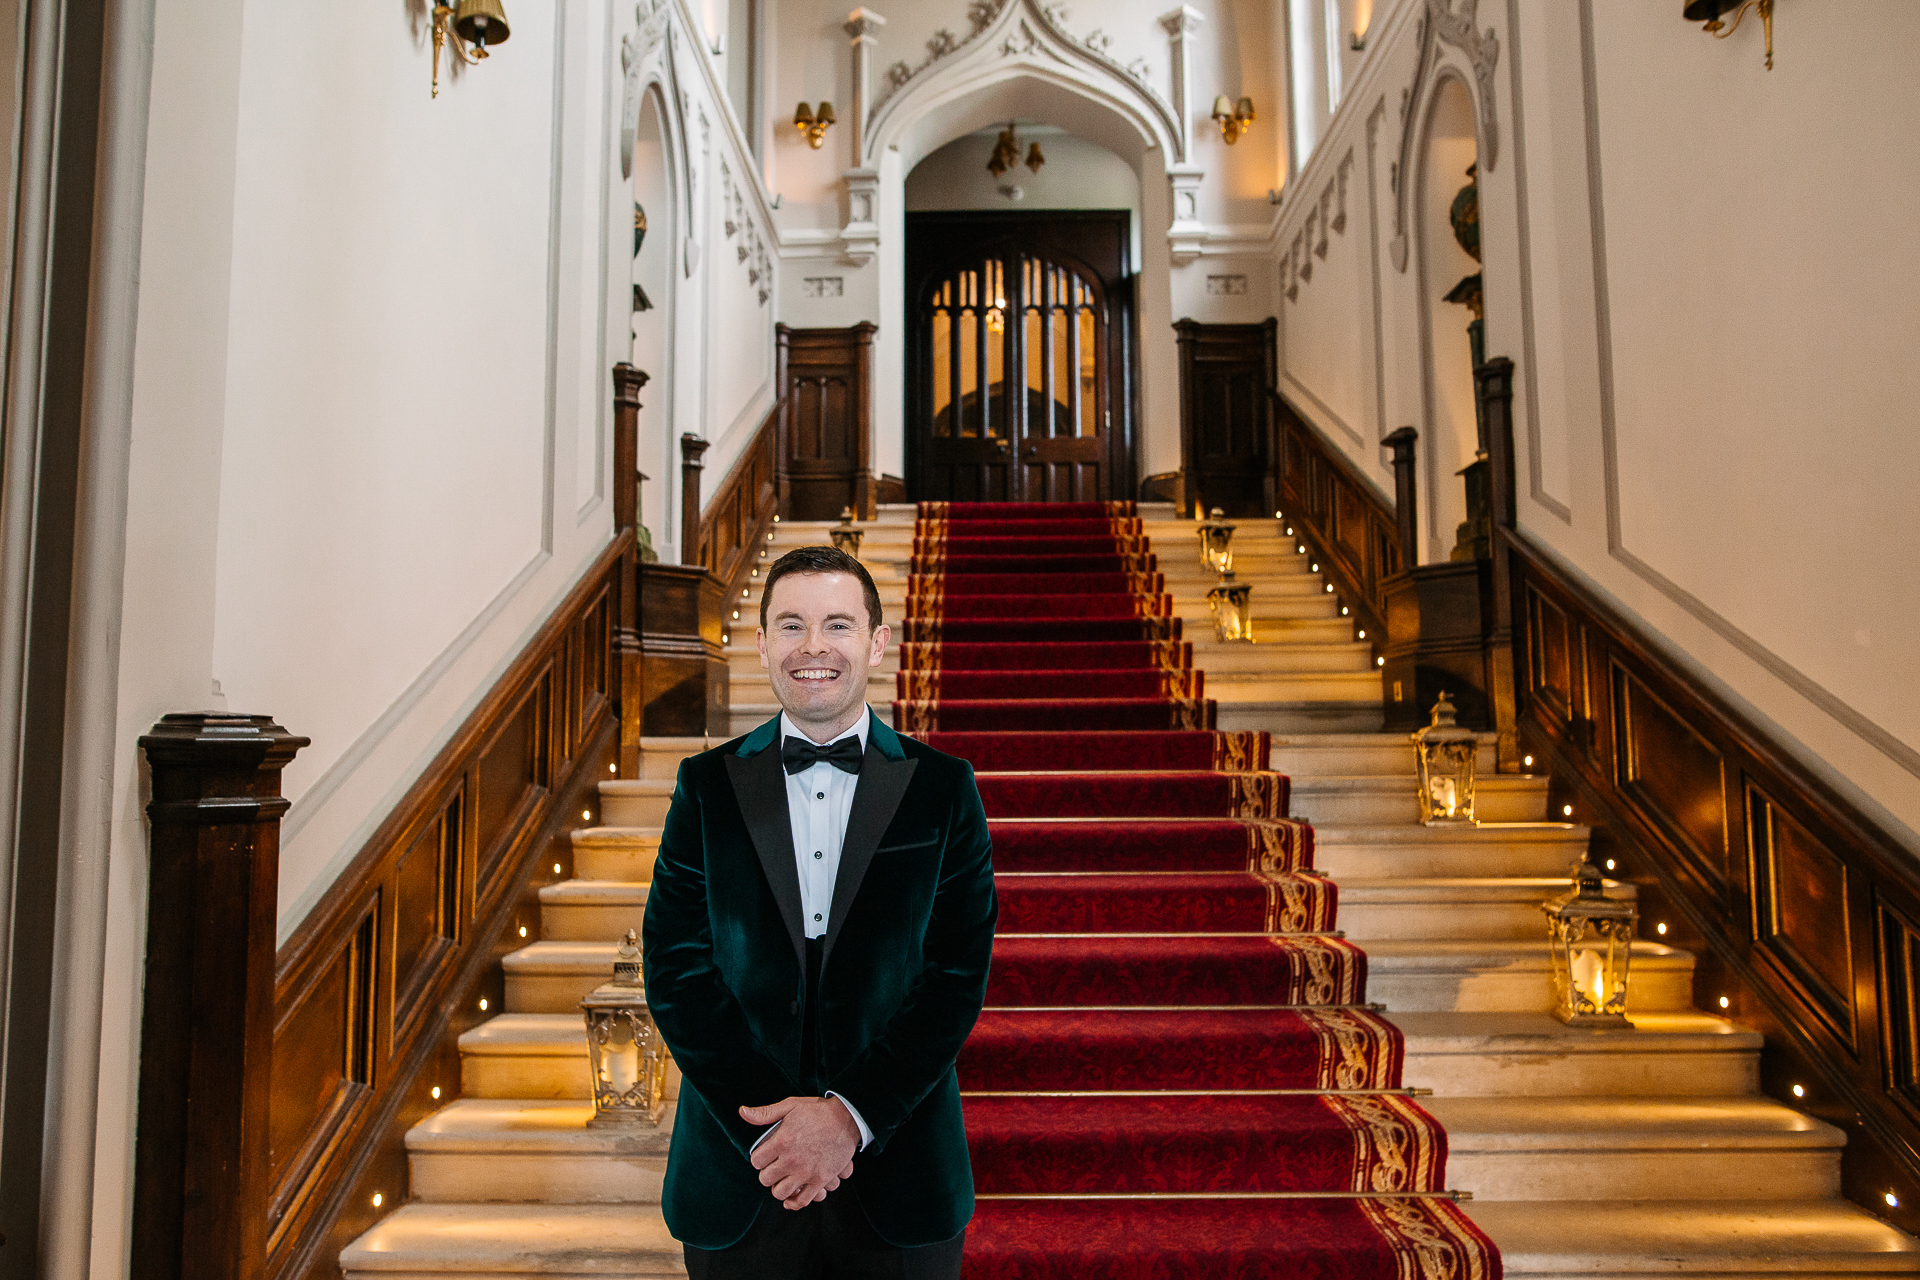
{"x":822,"y":560}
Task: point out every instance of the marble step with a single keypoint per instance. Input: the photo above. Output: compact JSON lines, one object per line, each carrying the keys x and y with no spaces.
{"x":551,"y":976}
{"x":507,"y":1241}
{"x":591,"y":910}
{"x":1409,"y":850}
{"x":1637,"y":1148}
{"x":1383,"y":799}
{"x":481,"y":1150}
{"x":1300,"y":715}
{"x":526,"y":1056}
{"x":615,"y":853}
{"x":1725,"y":1239}
{"x":1477,"y":976}
{"x":1455,"y":909}
{"x":1535,"y":1054}
{"x":636,"y":802}
{"x":1311,"y":755}
{"x":1360,"y":686}
{"x":1218,"y":660}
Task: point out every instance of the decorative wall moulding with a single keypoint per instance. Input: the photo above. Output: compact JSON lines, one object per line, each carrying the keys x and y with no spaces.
{"x":1443,"y":22}
{"x":1227,"y":285}
{"x":823,"y":286}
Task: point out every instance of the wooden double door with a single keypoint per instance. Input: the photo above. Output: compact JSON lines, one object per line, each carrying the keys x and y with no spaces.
{"x":1020,"y":352}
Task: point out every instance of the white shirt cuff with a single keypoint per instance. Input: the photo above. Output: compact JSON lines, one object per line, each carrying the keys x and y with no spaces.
{"x":866,"y":1134}
{"x":763,"y":1137}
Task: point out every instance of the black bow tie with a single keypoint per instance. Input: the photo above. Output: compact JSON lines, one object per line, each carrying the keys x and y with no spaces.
{"x":845,"y":754}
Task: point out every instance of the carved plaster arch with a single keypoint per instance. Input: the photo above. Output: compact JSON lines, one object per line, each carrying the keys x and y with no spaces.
{"x":649,"y":64}
{"x":1448,"y":38}
{"x":1014,"y":39}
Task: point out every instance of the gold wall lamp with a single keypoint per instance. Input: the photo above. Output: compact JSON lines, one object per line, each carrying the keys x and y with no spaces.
{"x":1708,"y":12}
{"x":472,"y":22}
{"x":1235,"y":118}
{"x":1006,"y":153}
{"x":814,"y":124}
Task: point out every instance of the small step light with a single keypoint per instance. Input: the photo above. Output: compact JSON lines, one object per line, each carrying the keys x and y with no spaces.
{"x":586,"y":815}
{"x":1609,"y":864}
{"x":1299,"y":551}
{"x":436,"y":1092}
{"x":1799,"y":1092}
{"x":776,"y":520}
{"x":556,"y":868}
{"x":613,"y":767}
{"x":483,"y":1004}
{"x":1893,"y":1201}
{"x":1329,"y":588}
{"x":1379,"y":662}
{"x":378,"y":1199}
{"x":736,"y":615}
{"x":1725,"y":1003}
{"x":1363,"y":630}
{"x":523,"y":931}
{"x":1661,"y":928}
{"x":1566,"y":811}
{"x":1343,"y":611}
{"x":1528,"y":762}
{"x":1289,"y":531}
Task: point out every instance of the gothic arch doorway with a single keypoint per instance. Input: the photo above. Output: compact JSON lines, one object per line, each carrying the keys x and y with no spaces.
{"x":1020,"y":350}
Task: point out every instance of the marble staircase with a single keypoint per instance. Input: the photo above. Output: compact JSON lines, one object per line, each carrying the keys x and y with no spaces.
{"x":1607,"y":1154}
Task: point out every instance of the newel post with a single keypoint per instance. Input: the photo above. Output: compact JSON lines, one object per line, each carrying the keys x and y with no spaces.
{"x":1406,"y":495}
{"x":202,"y":1167}
{"x":692,"y":447}
{"x":1493,"y":392}
{"x":627,"y":382}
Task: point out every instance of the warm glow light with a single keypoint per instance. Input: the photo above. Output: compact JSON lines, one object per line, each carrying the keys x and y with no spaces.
{"x":1329,"y":588}
{"x":586,"y":815}
{"x":1276,"y":515}
{"x":1893,"y":1201}
{"x":378,"y":1199}
{"x":556,"y":868}
{"x":1379,"y":662}
{"x":1343,"y":611}
{"x":1528,"y":762}
{"x":1362,"y":18}
{"x":1566,"y":811}
{"x":1363,"y":630}
{"x":613,"y":768}
{"x":743,"y":593}
{"x":1609,"y":864}
{"x":1725,"y":1003}
{"x":736,"y":615}
{"x":1299,"y":551}
{"x":1799,"y":1092}
{"x":436,"y":1091}
{"x":483,"y":1004}
{"x":523,"y":931}
{"x":1661,"y":928}
{"x":1315,"y":568}
{"x":1289,"y":531}
{"x":776,"y":520}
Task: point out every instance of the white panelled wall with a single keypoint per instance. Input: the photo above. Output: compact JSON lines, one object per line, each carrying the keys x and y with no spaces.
{"x":1704,"y":273}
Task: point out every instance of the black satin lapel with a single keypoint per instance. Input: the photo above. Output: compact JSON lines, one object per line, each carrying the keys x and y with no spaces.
{"x":760,"y":785}
{"x":883,"y":784}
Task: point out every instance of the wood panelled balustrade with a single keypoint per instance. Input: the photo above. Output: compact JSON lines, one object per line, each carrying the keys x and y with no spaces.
{"x":402,"y":955}
{"x":1349,"y":529}
{"x":734,"y":521}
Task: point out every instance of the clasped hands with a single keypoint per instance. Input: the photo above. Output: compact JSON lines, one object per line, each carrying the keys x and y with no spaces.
{"x":811,"y":1151}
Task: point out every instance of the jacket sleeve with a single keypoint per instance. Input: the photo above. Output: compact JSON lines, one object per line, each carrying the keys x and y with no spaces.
{"x":920,"y":1044}
{"x":698,"y":1016}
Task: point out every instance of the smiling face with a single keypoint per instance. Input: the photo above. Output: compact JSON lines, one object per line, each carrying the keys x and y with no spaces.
{"x":819,"y":647}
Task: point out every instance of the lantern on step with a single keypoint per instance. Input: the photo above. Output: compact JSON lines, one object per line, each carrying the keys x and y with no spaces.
{"x":1591,"y":937}
{"x":1232,"y":605}
{"x":624,"y":1049}
{"x":1216,"y":543}
{"x":846,"y":538}
{"x":1444,"y":753}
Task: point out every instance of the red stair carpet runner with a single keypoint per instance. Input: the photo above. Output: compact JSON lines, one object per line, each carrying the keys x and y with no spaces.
{"x":1177,"y":1076}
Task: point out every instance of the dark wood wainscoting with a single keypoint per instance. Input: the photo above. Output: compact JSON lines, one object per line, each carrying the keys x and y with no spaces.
{"x":1226,"y":377}
{"x":685,"y":689}
{"x":826,"y":423}
{"x":1805,"y":916}
{"x":375,"y":987}
{"x":1335,"y":511}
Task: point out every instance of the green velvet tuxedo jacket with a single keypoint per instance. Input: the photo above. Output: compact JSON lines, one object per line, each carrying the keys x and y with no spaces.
{"x":903,"y":975}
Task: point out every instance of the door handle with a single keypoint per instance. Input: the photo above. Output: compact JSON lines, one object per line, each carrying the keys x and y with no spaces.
{"x":1002,"y":447}
{"x":1032,"y":449}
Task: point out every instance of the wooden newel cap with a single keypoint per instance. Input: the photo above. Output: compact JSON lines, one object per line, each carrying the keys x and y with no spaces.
{"x":210,"y":767}
{"x":627,"y":382}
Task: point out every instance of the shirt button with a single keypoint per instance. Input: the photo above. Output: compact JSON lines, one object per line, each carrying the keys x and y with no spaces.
{"x":816,"y":853}
{"x":816,"y":915}
{"x":819,"y":795}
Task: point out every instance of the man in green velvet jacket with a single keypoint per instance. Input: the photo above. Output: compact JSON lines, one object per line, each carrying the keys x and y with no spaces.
{"x":816,"y":945}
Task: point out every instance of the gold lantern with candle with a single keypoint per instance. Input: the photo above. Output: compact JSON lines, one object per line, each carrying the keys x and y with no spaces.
{"x":1216,"y":542}
{"x":1591,"y":937}
{"x":1232,"y":605}
{"x":846,"y":538}
{"x":624,"y":1049}
{"x":1444,"y":753}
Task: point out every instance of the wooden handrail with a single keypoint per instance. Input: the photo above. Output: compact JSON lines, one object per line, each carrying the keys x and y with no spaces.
{"x":1337,"y":511}
{"x":743,"y":505}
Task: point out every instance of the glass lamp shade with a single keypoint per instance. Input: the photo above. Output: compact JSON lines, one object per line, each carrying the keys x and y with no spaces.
{"x":1216,"y":542}
{"x":1591,"y":938}
{"x":1232,"y":605}
{"x":1444,"y":753}
{"x":624,"y":1050}
{"x":846,"y":538}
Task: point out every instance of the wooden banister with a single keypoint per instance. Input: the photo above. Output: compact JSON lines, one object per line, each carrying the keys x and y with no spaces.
{"x":628,"y":690}
{"x":742,"y":508}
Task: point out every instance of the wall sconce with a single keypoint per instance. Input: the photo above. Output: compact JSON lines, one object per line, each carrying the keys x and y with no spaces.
{"x":474,"y":22}
{"x":1235,"y":118}
{"x":1362,"y":20}
{"x":813,"y":123}
{"x":1708,"y":13}
{"x":1034,"y":158}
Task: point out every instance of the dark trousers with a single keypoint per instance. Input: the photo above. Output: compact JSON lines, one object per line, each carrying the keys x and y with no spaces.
{"x":827,"y":1240}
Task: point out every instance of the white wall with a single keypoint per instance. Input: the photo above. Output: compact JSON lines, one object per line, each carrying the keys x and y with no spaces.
{"x":371,"y":427}
{"x":1704,"y":272}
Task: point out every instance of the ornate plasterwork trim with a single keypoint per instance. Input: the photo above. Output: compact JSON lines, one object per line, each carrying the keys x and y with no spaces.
{"x":1031,"y":32}
{"x":1442,"y":23}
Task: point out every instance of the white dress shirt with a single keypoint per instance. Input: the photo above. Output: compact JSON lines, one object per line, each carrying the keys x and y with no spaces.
{"x":819,"y":800}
